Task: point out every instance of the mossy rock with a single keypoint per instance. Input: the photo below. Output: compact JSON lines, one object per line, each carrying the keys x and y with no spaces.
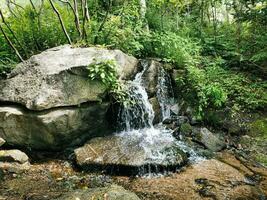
{"x":186,"y":129}
{"x":258,"y":128}
{"x":262,"y":158}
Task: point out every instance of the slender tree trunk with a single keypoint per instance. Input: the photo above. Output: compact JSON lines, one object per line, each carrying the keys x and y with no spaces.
{"x":77,"y":20}
{"x":33,"y":6}
{"x":214,"y":16}
{"x":11,"y":44}
{"x":61,"y":21}
{"x":103,"y":22}
{"x":12,"y":32}
{"x":143,"y":9}
{"x":86,"y":18}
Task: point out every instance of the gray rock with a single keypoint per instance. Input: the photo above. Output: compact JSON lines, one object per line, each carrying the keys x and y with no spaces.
{"x":150,"y":78}
{"x":14,"y":167}
{"x":128,"y":151}
{"x":13,"y":156}
{"x":210,"y":140}
{"x":182,"y":119}
{"x":175,"y":109}
{"x":112,"y":192}
{"x":54,"y":129}
{"x":156,"y":107}
{"x":58,"y":77}
{"x":2,"y":141}
{"x":169,"y":120}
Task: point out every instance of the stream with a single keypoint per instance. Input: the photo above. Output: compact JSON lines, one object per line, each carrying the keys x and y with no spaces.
{"x":143,"y":157}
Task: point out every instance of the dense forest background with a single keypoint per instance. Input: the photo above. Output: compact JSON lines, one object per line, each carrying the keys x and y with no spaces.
{"x":219,"y":47}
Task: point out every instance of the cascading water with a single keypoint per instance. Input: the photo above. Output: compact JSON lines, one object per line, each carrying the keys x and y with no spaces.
{"x":137,"y":122}
{"x":164,"y":93}
{"x":140,"y":114}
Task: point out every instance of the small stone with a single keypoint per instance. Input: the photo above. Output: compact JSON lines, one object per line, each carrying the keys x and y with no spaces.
{"x":14,"y":167}
{"x":182,"y":120}
{"x":175,"y":109}
{"x":2,"y":141}
{"x":13,"y":156}
{"x":210,"y":140}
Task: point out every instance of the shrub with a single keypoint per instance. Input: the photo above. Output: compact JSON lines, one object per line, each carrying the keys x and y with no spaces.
{"x":105,"y":71}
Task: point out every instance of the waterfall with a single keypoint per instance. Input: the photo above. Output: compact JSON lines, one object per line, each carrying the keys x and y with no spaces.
{"x":136,"y":120}
{"x":140,"y":113}
{"x":164,"y":93}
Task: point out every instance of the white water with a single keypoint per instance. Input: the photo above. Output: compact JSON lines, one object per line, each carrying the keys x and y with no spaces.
{"x":138,"y":121}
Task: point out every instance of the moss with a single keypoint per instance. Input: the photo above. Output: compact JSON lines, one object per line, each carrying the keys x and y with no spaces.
{"x":258,"y":128}
{"x":262,"y":158}
{"x":186,"y":129}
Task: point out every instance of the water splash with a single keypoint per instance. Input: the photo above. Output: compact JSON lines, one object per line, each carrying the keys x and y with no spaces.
{"x":140,"y":114}
{"x":137,"y":122}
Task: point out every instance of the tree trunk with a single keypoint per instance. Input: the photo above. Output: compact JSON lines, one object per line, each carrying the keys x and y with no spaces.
{"x":77,"y":20}
{"x":61,"y":21}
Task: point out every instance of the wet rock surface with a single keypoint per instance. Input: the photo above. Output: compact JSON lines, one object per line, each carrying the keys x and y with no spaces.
{"x":225,"y":177}
{"x":209,"y":179}
{"x":128,"y":154}
{"x":112,"y":192}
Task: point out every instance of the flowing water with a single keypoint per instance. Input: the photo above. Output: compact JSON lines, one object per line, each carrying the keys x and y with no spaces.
{"x":137,"y":120}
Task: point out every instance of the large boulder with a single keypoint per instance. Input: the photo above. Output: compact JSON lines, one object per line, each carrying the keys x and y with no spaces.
{"x":59,"y":77}
{"x":48,"y":102}
{"x":54,"y":129}
{"x":150,"y":77}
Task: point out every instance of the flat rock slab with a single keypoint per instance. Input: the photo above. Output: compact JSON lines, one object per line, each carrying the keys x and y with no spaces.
{"x":59,"y":77}
{"x":130,"y":152}
{"x":112,"y":192}
{"x":209,"y":179}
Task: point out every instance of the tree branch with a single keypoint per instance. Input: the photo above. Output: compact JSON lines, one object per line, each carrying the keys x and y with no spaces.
{"x":11,"y":31}
{"x":11,"y":44}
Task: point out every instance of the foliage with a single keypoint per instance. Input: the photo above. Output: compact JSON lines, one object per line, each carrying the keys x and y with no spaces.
{"x":220,"y":45}
{"x":215,"y":87}
{"x":6,"y":67}
{"x":171,"y":48}
{"x":105,"y":71}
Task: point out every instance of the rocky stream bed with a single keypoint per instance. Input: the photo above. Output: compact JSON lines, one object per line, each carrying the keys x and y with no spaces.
{"x":62,"y":138}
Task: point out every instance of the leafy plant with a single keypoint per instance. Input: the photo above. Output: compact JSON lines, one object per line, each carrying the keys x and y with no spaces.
{"x":105,"y":71}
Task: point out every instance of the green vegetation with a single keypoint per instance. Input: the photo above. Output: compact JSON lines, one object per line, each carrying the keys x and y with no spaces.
{"x":105,"y":71}
{"x":220,"y":45}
